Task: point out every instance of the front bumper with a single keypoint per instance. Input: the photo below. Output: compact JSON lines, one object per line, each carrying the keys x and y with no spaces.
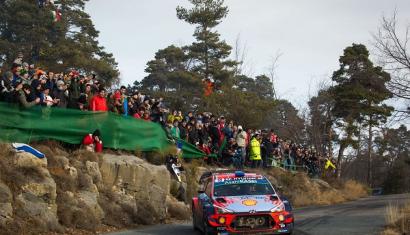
{"x":274,"y":226}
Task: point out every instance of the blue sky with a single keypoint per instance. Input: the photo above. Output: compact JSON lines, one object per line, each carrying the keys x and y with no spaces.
{"x":310,"y":35}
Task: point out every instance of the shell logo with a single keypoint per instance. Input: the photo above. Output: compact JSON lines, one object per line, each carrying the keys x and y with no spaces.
{"x":249,"y":202}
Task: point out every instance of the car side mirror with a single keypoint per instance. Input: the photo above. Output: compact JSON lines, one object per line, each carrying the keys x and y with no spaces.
{"x":274,"y":198}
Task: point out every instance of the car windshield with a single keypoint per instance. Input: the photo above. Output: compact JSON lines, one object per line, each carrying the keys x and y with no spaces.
{"x":239,"y":188}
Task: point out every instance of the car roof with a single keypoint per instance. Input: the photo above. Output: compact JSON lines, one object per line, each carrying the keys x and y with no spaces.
{"x":233,"y":176}
{"x":229,"y":174}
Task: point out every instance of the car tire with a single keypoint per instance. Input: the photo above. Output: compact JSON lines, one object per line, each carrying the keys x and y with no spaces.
{"x":194,"y":223}
{"x":207,"y":229}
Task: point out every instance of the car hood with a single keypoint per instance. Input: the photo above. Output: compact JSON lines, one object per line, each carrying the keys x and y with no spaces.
{"x":249,"y":204}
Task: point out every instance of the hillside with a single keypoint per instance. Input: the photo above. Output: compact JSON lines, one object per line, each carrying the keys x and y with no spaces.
{"x":81,"y":192}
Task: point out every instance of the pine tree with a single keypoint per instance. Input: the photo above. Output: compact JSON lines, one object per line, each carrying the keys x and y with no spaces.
{"x":70,"y":42}
{"x":359,"y":96}
{"x":208,"y":52}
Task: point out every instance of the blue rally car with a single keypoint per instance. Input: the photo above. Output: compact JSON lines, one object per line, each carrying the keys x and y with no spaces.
{"x":240,"y":203}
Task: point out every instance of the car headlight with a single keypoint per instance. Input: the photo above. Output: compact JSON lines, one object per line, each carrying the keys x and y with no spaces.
{"x":221,"y":210}
{"x":277,"y":209}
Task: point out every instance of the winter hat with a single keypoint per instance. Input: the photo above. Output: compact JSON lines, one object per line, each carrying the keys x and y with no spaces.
{"x":60,"y":83}
{"x":8,"y":75}
{"x":97,"y":133}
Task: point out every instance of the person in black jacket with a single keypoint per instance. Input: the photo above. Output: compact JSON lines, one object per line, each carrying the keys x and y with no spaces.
{"x":266,"y":150}
{"x":6,"y":88}
{"x":214,"y":134}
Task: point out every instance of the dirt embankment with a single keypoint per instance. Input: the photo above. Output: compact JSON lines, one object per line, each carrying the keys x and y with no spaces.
{"x":83,"y":193}
{"x":297,"y":187}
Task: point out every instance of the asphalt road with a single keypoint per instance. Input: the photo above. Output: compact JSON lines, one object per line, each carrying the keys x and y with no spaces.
{"x":365,"y":216}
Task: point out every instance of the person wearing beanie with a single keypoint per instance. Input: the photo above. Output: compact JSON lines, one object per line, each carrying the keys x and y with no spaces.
{"x":46,"y":99}
{"x":92,"y":142}
{"x":60,"y":94}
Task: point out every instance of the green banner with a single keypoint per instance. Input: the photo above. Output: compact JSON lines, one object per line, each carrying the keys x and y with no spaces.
{"x":70,"y":126}
{"x":191,"y":151}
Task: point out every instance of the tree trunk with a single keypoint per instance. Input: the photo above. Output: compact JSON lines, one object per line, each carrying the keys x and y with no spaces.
{"x":330,"y":145}
{"x":339,"y":160}
{"x":343,"y":146}
{"x":369,"y":149}
{"x":359,"y":141}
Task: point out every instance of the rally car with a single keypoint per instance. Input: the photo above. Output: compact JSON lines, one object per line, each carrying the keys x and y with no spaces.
{"x":239,"y":203}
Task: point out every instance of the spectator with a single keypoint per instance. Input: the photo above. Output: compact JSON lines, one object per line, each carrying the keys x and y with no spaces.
{"x":99,"y":102}
{"x":255,"y":151}
{"x":175,"y":132}
{"x":267,"y":149}
{"x":61,"y":94}
{"x":119,"y":98}
{"x":179,"y":117}
{"x":93,"y":142}
{"x":74,"y":90}
{"x":23,"y":96}
{"x":140,"y":113}
{"x":171,"y":117}
{"x":183,"y":130}
{"x":6,"y":88}
{"x":241,"y":138}
{"x":146,"y":116}
{"x":46,"y":99}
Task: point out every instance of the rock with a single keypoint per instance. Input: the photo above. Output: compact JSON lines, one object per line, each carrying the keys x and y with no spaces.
{"x":45,"y":189}
{"x":5,"y":193}
{"x":27,"y":160}
{"x":6,"y":209}
{"x":148,"y":184}
{"x":120,"y":209}
{"x":89,"y":201}
{"x":322,"y":184}
{"x":177,"y":210}
{"x":93,"y":169}
{"x":36,"y":199}
{"x":6,"y":213}
{"x":44,"y":214}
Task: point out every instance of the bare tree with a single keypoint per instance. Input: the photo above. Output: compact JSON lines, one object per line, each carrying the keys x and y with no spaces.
{"x":393,"y":50}
{"x":240,"y":53}
{"x":272,"y":70}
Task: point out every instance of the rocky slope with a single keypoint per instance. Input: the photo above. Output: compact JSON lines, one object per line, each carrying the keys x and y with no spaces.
{"x":81,"y":191}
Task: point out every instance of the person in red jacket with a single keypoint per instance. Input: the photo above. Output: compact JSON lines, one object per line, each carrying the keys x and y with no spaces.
{"x":99,"y":102}
{"x":92,"y":142}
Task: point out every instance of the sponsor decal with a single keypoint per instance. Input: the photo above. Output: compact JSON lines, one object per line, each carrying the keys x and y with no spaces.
{"x":249,"y":202}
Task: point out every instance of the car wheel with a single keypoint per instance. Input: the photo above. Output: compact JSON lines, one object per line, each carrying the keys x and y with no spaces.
{"x":194,"y":224}
{"x":291,"y":230}
{"x":207,"y":229}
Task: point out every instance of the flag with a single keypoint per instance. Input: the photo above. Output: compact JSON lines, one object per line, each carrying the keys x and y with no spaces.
{"x":28,"y":149}
{"x":56,"y":15}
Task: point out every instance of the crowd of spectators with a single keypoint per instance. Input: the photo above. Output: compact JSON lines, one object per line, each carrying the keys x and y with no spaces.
{"x":231,"y":143}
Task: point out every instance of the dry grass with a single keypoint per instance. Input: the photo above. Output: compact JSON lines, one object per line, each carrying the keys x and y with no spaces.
{"x":353,"y":190}
{"x":303,"y":191}
{"x":397,"y":219}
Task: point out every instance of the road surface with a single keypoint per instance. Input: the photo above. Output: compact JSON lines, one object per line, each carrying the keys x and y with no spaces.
{"x":365,"y":216}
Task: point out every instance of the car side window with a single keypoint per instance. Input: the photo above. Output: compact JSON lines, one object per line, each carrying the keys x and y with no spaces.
{"x":208,"y":188}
